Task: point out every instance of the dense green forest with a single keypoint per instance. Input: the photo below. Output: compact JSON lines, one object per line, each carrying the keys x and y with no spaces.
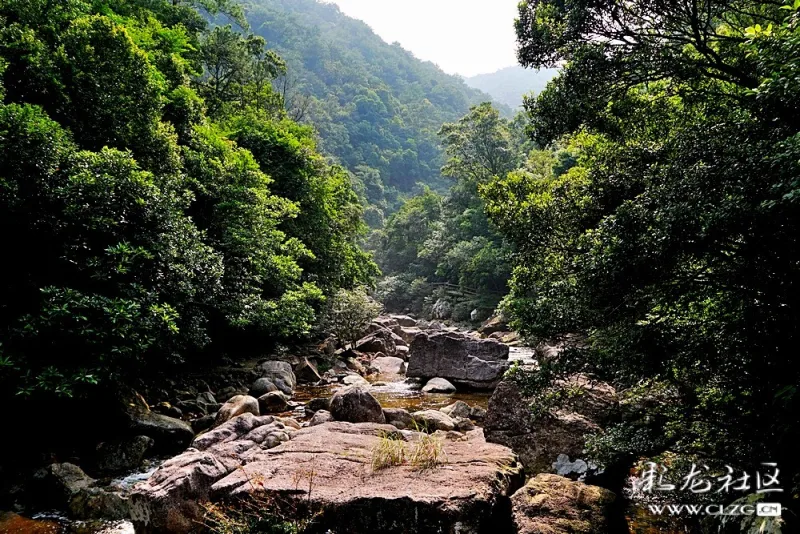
{"x":660,"y":222}
{"x":376,"y":107}
{"x":156,"y":200}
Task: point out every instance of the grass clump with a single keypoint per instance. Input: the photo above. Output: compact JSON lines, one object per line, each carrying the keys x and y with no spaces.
{"x":428,"y":453}
{"x":389,"y":451}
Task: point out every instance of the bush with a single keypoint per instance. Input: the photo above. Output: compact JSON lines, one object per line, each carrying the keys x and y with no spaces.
{"x":348,"y":312}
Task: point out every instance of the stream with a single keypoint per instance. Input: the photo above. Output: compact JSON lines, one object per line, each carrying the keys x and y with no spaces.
{"x":392,"y":391}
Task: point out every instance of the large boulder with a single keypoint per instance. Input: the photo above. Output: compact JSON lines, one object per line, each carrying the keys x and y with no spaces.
{"x":461,"y":359}
{"x":279,"y":373}
{"x":539,"y":441}
{"x":355,"y":404}
{"x":328,"y":468}
{"x":237,"y":406}
{"x":556,"y":505}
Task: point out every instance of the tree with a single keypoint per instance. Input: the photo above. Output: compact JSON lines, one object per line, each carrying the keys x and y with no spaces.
{"x":660,"y":223}
{"x":347,"y":314}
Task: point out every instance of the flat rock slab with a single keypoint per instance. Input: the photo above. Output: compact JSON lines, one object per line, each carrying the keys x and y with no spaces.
{"x":467,"y":494}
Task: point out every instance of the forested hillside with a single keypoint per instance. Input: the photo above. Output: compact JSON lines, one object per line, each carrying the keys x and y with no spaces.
{"x":156,"y":200}
{"x":509,"y":85}
{"x":376,"y":107}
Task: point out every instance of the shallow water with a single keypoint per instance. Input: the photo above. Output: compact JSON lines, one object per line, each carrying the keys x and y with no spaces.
{"x":393,"y":392}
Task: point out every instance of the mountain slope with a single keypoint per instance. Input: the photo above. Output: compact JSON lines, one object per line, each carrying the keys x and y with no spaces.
{"x":509,"y":84}
{"x":376,"y":107}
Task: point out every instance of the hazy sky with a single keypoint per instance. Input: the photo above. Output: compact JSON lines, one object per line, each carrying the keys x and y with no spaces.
{"x":465,"y":37}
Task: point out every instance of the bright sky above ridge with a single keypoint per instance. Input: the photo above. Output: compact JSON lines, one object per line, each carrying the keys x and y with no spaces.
{"x":464,"y":37}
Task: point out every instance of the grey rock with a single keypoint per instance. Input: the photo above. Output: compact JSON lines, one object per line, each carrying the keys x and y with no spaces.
{"x":320,"y":417}
{"x":464,"y":360}
{"x":169,"y":435}
{"x":314,"y":405}
{"x":431,"y":420}
{"x":273,"y":402}
{"x":280,"y":373}
{"x":262,"y":386}
{"x":438,"y":385}
{"x":123,"y":455}
{"x":457,"y":409}
{"x":355,"y":404}
{"x":389,"y":365}
{"x":398,"y":415}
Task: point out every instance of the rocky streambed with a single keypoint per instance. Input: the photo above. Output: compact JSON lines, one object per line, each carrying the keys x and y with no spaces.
{"x":388,"y":437}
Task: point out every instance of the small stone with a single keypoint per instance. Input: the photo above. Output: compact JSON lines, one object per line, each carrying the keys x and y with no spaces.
{"x":431,"y":420}
{"x":438,"y":385}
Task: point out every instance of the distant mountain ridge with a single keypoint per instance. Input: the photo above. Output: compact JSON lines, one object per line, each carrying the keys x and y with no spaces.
{"x":509,"y":84}
{"x":377,"y":108}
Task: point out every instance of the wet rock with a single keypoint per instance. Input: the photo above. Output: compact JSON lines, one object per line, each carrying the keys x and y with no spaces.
{"x":237,"y":406}
{"x":556,"y":505}
{"x":438,"y":385}
{"x":390,"y":365}
{"x":262,"y":386}
{"x":273,"y":402}
{"x":123,"y":455}
{"x":432,"y":420}
{"x":99,"y":503}
{"x":540,"y":441}
{"x":457,"y":409}
{"x":321,"y":417}
{"x":468,"y":492}
{"x":355,"y":404}
{"x":207,"y":403}
{"x":279,"y":373}
{"x":461,"y":359}
{"x":576,"y":470}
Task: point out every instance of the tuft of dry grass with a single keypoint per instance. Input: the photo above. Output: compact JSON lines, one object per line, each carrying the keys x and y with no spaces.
{"x":428,"y":453}
{"x":388,"y":452}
